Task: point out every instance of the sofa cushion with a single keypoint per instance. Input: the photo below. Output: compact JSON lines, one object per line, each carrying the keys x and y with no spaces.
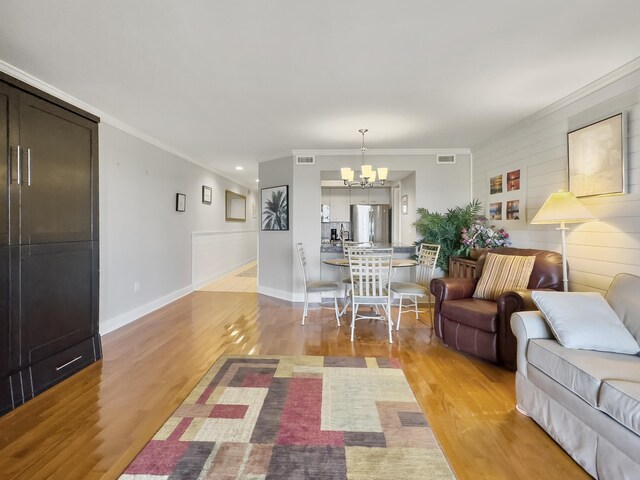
{"x":480,"y":314}
{"x":585,"y":320}
{"x":620,"y":399}
{"x":582,"y":371}
{"x":622,"y":298}
{"x":503,"y":273}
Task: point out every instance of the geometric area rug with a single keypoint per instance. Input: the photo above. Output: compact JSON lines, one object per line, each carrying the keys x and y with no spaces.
{"x":295,"y":417}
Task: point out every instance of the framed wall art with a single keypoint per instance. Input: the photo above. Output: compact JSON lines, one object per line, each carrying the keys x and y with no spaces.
{"x":495,"y":211}
{"x":404,"y":201}
{"x":275,"y":208}
{"x":513,"y":210}
{"x":206,"y":195}
{"x":495,"y":184}
{"x":597,"y":160}
{"x":505,"y":200}
{"x":513,"y":180}
{"x":235,"y":207}
{"x":181,"y":202}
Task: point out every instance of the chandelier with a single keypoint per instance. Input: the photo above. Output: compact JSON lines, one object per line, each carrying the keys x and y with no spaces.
{"x":367,"y":174}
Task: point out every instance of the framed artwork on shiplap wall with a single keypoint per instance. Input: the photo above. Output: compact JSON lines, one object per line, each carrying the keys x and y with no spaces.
{"x":596,"y":158}
{"x":506,"y":196}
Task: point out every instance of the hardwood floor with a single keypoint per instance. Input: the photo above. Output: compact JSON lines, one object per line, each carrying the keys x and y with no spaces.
{"x":92,"y":425}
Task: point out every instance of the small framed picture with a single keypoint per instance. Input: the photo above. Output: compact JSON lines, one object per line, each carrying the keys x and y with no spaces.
{"x":513,"y":210}
{"x":495,"y":211}
{"x":181,"y":202}
{"x":495,"y":184}
{"x":404,"y":201}
{"x":206,"y":195}
{"x":513,"y":180}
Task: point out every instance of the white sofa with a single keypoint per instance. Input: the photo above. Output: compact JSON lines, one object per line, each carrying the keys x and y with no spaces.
{"x":588,"y":401}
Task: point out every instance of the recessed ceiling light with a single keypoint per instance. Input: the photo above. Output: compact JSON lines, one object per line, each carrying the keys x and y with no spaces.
{"x":239,"y":168}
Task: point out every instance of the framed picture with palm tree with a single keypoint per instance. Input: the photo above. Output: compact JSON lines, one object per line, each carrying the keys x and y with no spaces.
{"x":275,"y":208}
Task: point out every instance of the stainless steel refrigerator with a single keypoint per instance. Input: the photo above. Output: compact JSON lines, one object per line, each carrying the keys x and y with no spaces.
{"x":371,"y":223}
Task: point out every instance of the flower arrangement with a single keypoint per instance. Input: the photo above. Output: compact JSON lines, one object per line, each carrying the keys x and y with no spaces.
{"x":481,"y":235}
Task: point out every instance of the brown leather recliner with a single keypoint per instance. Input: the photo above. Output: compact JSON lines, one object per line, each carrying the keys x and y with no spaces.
{"x":481,"y":327}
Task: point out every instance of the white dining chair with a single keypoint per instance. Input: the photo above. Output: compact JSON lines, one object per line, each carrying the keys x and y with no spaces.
{"x":370,"y":274}
{"x":427,"y":259}
{"x":316,"y":287}
{"x":346,"y":277}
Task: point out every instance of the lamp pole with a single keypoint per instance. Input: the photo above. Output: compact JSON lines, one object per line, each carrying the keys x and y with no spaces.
{"x":565,"y":277}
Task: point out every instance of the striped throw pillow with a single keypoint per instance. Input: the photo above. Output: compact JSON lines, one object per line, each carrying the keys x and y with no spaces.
{"x":503,"y":273}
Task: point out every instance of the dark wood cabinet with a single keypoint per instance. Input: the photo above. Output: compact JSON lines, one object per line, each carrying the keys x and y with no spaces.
{"x":9,"y":355}
{"x":5,"y":104}
{"x":49,"y":253}
{"x":58,"y":297}
{"x":462,"y":267}
{"x":57,"y":154}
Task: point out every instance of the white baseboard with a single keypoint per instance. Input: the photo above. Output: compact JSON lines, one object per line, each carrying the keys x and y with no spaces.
{"x":123,"y":319}
{"x":216,"y":276}
{"x":273,"y":292}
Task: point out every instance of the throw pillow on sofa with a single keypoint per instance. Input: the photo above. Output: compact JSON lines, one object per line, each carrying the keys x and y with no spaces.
{"x":584,"y":321}
{"x":503,"y":273}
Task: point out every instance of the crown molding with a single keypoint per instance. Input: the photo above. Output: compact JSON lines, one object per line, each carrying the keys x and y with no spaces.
{"x":106,"y":118}
{"x":385,"y":151}
{"x":598,"y":84}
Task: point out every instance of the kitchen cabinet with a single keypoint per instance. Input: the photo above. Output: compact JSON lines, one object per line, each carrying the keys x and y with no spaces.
{"x":338,"y":201}
{"x":48,"y":241}
{"x":341,"y":199}
{"x":340,"y":211}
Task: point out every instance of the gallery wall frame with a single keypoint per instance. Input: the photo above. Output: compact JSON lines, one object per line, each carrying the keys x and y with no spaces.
{"x":506,"y":197}
{"x":404,"y":202}
{"x":181,"y":202}
{"x":235,"y":207}
{"x":597,"y":159}
{"x":274,"y":202}
{"x":207,"y":193}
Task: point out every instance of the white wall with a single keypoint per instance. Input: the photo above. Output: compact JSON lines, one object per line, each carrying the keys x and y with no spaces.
{"x":596,"y":251}
{"x":276,"y":259}
{"x":407,"y":230}
{"x":143,"y":239}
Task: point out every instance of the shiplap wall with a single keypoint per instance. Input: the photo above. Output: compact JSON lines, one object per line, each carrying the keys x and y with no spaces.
{"x":596,"y":251}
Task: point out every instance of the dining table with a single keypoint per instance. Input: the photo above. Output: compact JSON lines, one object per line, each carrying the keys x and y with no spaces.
{"x":344,"y":263}
{"x":395,"y":262}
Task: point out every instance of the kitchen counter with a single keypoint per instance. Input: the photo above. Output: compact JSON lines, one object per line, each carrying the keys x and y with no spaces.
{"x":337,"y":248}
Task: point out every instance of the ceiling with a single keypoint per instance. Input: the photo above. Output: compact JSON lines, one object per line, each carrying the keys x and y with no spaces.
{"x":231,"y":83}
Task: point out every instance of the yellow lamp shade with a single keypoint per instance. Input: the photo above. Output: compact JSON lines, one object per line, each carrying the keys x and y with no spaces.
{"x":345,"y":172}
{"x":562,"y":207}
{"x":351,"y":174}
{"x":382,"y":173}
{"x":372,"y":178}
{"x":366,"y":171}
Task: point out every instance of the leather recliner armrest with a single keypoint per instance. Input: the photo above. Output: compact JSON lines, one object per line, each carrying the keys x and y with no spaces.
{"x":450,"y":288}
{"x":453,"y":288}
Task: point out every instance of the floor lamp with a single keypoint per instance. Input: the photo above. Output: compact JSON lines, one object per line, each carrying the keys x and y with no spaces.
{"x":562,"y":207}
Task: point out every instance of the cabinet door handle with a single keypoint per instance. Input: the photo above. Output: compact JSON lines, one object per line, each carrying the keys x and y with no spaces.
{"x":68,"y":363}
{"x":19,"y":166}
{"x":29,"y":166}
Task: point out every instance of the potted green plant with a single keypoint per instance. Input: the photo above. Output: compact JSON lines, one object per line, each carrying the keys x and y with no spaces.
{"x":446,"y":229}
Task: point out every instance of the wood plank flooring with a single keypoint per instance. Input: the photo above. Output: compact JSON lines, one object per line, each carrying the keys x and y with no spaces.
{"x":236,"y":281}
{"x":93,"y":424}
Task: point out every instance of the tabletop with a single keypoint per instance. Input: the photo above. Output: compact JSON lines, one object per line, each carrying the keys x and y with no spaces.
{"x":395,"y":262}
